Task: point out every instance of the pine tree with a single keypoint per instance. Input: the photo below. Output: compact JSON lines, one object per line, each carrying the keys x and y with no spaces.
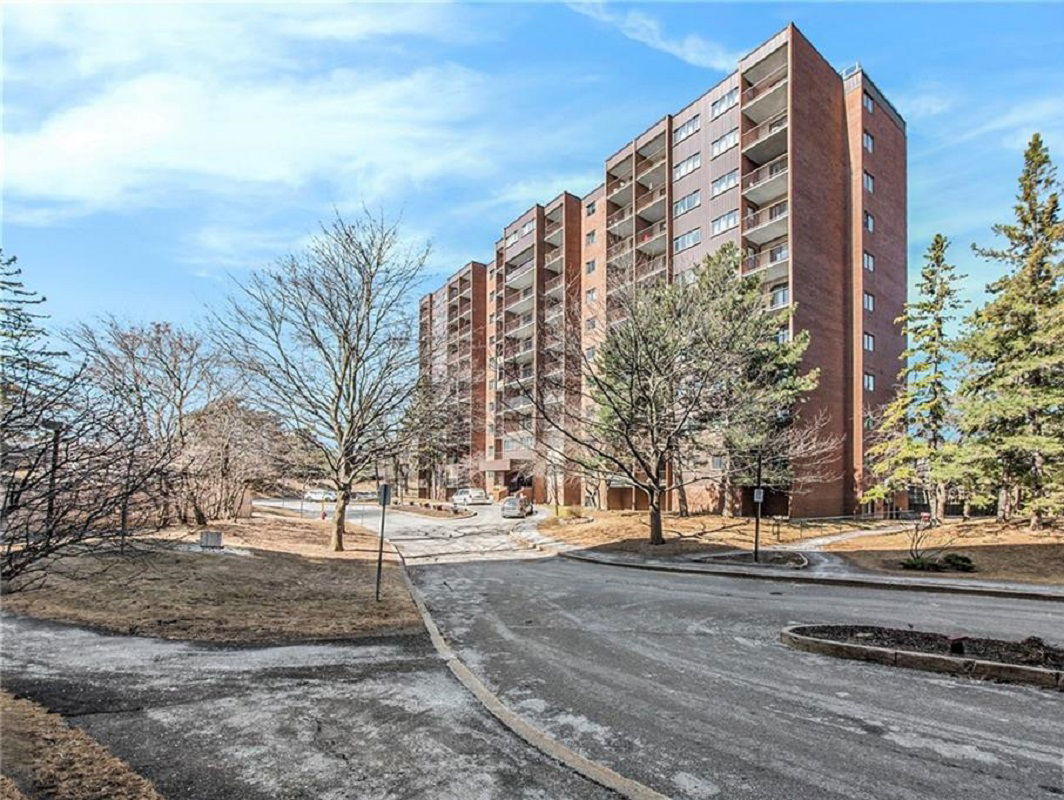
{"x":913,"y":440}
{"x":1014,"y":391}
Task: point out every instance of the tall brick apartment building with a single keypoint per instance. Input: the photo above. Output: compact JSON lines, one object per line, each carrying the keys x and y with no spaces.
{"x":802,"y":168}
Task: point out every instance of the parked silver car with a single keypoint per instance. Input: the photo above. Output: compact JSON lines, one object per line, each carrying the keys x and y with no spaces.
{"x":519,"y":507}
{"x":471,"y":497}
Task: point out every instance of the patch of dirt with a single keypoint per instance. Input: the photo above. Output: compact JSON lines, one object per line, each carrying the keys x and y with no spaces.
{"x":628,"y":531}
{"x":999,"y":551}
{"x":431,"y":511}
{"x":767,"y":558}
{"x":1032,"y":652}
{"x":53,"y":760}
{"x":291,"y":587}
{"x":8,"y":789}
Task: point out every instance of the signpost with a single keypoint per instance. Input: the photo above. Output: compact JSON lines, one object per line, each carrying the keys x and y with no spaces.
{"x":384,"y":495}
{"x":759,"y":498}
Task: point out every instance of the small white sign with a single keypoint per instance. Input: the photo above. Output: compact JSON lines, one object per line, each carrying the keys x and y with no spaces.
{"x":759,"y":495}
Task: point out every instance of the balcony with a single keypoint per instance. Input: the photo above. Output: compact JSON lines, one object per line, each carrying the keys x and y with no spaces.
{"x":770,"y":264}
{"x":520,"y":276}
{"x":619,"y":191}
{"x":778,"y":298}
{"x":766,"y":224}
{"x":618,"y":249}
{"x":552,"y":233}
{"x":650,"y":205}
{"x":767,"y":183}
{"x":651,"y":239}
{"x":552,"y":285}
{"x":651,"y":171}
{"x":619,"y":223}
{"x":766,"y":141}
{"x":520,"y":352}
{"x":650,"y":268}
{"x":767,"y":97}
{"x":554,"y":261}
{"x":520,"y":301}
{"x":521,"y":325}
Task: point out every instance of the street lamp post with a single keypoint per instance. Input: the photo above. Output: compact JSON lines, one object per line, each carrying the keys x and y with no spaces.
{"x":759,"y":497}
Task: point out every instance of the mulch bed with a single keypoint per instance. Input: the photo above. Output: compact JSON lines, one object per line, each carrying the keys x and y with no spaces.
{"x":1032,"y":652}
{"x":767,"y":558}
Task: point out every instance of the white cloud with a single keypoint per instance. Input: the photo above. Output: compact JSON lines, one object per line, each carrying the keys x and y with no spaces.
{"x":643,"y":28}
{"x":928,"y":100}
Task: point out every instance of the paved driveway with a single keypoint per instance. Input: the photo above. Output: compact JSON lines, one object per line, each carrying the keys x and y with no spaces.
{"x":679,"y":681}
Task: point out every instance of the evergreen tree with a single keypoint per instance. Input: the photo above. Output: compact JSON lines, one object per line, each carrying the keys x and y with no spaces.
{"x":1014,"y":392}
{"x":913,"y":447}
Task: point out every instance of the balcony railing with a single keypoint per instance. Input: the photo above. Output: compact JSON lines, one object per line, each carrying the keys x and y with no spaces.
{"x":517,"y":297}
{"x":551,"y":284}
{"x":765,"y":259}
{"x":618,"y":248}
{"x":767,"y":172}
{"x":649,"y":267}
{"x":645,"y":165}
{"x":551,"y":228}
{"x":516,"y":272}
{"x":766,"y":84}
{"x":553,"y":260}
{"x":765,"y":129}
{"x":651,"y":197}
{"x":617,"y":217}
{"x":651,"y":233}
{"x":521,"y":321}
{"x":756,"y":219}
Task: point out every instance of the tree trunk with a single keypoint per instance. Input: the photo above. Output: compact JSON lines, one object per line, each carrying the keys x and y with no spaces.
{"x":681,"y":491}
{"x":1037,"y":463}
{"x":723,"y":504}
{"x":940,"y":503}
{"x":340,"y":519}
{"x":656,"y":536}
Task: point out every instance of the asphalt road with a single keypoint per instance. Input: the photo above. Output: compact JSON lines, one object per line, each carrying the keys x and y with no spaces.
{"x":680,"y":681}
{"x":677,"y":681}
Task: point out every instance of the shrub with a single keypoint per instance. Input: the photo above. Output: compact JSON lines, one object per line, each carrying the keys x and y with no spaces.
{"x":957,"y":563}
{"x":922,"y":564}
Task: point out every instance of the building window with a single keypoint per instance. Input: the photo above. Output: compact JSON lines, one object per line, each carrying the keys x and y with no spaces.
{"x":869,"y":301}
{"x":719,"y":106}
{"x":783,"y":335}
{"x":590,"y":208}
{"x":590,"y":324}
{"x":779,"y":296}
{"x":725,"y":142}
{"x":528,"y":227}
{"x":869,"y":261}
{"x":869,"y":103}
{"x":513,"y":237}
{"x":725,"y":222}
{"x":590,"y":295}
{"x":589,"y":237}
{"x":589,"y":267}
{"x":686,"y":203}
{"x":869,"y":222}
{"x":686,"y":240}
{"x":717,"y":462}
{"x":725,"y":182}
{"x":869,"y":142}
{"x":869,"y":382}
{"x":687,"y":129}
{"x":589,"y":354}
{"x":869,"y":182}
{"x":869,"y":342}
{"x":687,"y":166}
{"x":777,"y":253}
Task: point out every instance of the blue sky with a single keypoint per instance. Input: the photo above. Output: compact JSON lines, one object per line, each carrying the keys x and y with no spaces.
{"x":150,"y":149}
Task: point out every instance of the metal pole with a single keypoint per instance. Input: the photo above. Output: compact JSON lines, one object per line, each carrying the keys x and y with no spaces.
{"x":384,"y":498}
{"x":757,"y":519}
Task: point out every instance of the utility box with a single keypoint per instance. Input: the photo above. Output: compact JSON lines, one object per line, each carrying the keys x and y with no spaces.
{"x":210,"y":540}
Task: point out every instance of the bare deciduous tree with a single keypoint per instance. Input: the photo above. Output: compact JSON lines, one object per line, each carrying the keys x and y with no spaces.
{"x":327,"y":339}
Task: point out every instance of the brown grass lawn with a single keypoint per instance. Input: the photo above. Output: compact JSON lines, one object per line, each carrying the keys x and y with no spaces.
{"x":48,"y":758}
{"x":288,"y":587}
{"x":703,"y":533}
{"x":1007,"y":552}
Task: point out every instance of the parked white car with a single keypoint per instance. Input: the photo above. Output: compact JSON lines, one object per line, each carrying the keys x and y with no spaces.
{"x":471,"y":497}
{"x":320,"y":496}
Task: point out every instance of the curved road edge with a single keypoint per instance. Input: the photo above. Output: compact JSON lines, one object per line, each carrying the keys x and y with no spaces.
{"x":546,"y":744}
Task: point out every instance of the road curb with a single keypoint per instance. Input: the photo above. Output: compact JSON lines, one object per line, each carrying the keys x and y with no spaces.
{"x":928,"y":662}
{"x":824,"y":580}
{"x":546,"y":744}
